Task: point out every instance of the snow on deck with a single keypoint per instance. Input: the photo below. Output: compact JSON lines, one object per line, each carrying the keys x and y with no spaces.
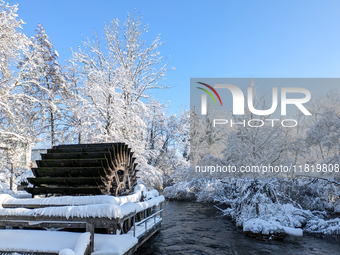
{"x":111,"y":211}
{"x":84,"y":206}
{"x":64,"y":242}
{"x":113,"y":244}
{"x":82,"y":200}
{"x":43,"y":241}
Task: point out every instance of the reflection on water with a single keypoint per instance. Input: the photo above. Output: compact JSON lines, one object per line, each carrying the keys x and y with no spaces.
{"x":194,"y":228}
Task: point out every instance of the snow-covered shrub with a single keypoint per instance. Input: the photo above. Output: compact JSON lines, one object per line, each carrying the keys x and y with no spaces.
{"x":150,"y":177}
{"x":324,"y":226}
{"x":183,"y":190}
{"x":259,"y":199}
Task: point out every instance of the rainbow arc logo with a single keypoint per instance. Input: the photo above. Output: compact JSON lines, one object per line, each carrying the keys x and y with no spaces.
{"x":209,"y":93}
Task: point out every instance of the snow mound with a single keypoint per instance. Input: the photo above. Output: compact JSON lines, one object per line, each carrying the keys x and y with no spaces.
{"x":269,"y":227}
{"x":262,"y":227}
{"x":66,"y":252}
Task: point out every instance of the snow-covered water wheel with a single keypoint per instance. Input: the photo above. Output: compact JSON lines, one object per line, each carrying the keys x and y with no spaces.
{"x":126,"y":225}
{"x":85,"y":169}
{"x":124,"y":173}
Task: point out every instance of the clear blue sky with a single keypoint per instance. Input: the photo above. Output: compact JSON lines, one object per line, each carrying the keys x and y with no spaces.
{"x":208,"y":38}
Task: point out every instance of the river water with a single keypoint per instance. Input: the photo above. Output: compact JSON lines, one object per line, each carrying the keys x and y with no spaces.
{"x":195,"y":228}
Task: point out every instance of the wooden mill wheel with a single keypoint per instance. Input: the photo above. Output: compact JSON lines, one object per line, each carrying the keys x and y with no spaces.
{"x":123,"y":173}
{"x":85,"y":169}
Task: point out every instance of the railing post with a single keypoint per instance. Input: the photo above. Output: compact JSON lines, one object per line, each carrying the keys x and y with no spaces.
{"x":154,"y":210}
{"x":146,"y":227}
{"x":134,"y":225}
{"x":161,"y":208}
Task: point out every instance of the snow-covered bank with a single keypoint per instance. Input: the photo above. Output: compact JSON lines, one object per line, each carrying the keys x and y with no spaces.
{"x":267,"y":206}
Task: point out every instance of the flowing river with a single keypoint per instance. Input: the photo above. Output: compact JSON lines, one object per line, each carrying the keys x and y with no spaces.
{"x":195,"y":228}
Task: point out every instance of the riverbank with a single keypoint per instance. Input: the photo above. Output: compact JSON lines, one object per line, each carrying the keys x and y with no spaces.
{"x":268,"y":207}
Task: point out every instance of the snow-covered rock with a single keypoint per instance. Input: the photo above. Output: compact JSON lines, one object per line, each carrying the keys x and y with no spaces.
{"x":260,"y":226}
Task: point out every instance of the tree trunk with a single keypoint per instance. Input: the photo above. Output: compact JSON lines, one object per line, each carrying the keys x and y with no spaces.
{"x":12,"y":177}
{"x":52,"y":129}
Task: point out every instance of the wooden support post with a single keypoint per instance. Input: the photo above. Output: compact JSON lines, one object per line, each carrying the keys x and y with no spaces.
{"x":134,"y":225}
{"x":153,"y":211}
{"x":146,"y":221}
{"x":90,"y":228}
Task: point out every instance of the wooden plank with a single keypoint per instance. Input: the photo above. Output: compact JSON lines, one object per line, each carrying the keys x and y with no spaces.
{"x":131,"y":251}
{"x":99,"y":162}
{"x":67,"y":181}
{"x":70,"y":171}
{"x":41,"y":224}
{"x":77,"y":155}
{"x":70,"y":150}
{"x":52,"y":224}
{"x":59,"y":218}
{"x":86,"y":145}
{"x":32,"y":206}
{"x":26,"y":253}
{"x":65,"y":190}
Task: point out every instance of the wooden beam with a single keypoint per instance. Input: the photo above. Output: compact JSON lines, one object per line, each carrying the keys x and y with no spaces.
{"x":60,"y":218}
{"x":90,"y":228}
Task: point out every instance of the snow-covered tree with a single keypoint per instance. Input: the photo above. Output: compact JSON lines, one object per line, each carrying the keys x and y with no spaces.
{"x":262,"y":142}
{"x":43,"y":74}
{"x":323,"y":136}
{"x":204,"y":138}
{"x":114,"y":76}
{"x":14,"y":103}
{"x":139,"y":66}
{"x":108,"y":85}
{"x":12,"y":40}
{"x":168,"y":141}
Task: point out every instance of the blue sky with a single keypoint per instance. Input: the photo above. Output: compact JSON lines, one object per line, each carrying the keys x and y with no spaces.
{"x":208,"y":38}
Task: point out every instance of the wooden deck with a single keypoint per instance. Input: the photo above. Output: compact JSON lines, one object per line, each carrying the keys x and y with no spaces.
{"x":141,"y":225}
